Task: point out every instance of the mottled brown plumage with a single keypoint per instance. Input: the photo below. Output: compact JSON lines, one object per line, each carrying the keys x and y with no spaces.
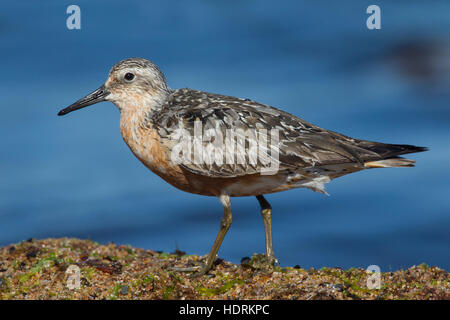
{"x":152,"y":116}
{"x":301,"y":144}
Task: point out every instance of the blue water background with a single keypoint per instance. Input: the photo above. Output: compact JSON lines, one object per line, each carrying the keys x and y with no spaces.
{"x":75,"y":177}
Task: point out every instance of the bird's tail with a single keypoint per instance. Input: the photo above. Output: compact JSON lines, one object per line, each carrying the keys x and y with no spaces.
{"x":390,"y":154}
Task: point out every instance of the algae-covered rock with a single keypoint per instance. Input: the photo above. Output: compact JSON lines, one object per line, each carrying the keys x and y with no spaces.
{"x":83,"y":269}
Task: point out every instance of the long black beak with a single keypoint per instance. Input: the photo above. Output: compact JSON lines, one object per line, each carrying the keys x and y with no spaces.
{"x":98,"y":95}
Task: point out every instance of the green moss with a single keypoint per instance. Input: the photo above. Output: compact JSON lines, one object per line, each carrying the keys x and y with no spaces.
{"x":147,"y":279}
{"x":167,"y":292}
{"x":89,"y":273}
{"x":40,"y":265}
{"x":351,"y":279}
{"x":175,"y":276}
{"x":219,"y":290}
{"x":116,"y":291}
{"x":94,"y":254}
{"x":69,"y":261}
{"x":164,"y":255}
{"x":130,"y":250}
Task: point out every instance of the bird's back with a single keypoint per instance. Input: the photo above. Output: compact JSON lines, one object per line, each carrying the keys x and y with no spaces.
{"x":301,"y":144}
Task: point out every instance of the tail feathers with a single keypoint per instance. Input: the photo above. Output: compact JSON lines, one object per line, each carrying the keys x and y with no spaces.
{"x":392,"y":150}
{"x":390,"y":163}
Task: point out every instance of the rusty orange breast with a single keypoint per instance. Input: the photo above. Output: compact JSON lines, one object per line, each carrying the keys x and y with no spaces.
{"x":145,"y":144}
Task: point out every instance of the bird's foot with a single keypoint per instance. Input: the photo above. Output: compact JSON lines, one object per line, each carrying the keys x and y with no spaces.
{"x":184,"y":269}
{"x":204,"y":269}
{"x":198,"y":271}
{"x":260,"y":262}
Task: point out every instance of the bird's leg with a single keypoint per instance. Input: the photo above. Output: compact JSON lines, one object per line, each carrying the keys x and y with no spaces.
{"x":225,"y":224}
{"x":266,"y":213}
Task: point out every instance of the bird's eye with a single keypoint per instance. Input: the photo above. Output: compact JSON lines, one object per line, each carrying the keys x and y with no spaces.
{"x":129,"y":76}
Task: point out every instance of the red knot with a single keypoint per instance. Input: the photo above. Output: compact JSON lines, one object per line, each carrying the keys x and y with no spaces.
{"x":306,"y":155}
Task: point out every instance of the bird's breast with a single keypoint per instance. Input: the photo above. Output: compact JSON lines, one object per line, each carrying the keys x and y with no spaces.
{"x":146,"y":145}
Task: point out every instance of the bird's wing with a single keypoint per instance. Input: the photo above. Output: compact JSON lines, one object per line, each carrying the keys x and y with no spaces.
{"x":300,"y":144}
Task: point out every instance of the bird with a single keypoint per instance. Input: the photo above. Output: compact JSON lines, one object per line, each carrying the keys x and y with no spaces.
{"x":306,"y":156}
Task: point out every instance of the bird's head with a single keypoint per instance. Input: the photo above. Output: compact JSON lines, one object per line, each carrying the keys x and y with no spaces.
{"x":132,"y":84}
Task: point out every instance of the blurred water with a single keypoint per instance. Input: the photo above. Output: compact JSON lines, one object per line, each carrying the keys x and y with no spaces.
{"x":75,"y":177}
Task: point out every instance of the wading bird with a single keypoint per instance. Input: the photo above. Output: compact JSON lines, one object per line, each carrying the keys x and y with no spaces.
{"x":308,"y":156}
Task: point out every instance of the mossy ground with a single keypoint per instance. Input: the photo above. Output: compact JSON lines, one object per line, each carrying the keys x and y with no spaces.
{"x":37,"y":269}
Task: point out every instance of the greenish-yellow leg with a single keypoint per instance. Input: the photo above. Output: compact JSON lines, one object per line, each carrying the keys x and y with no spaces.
{"x":266,"y":213}
{"x":225,"y":224}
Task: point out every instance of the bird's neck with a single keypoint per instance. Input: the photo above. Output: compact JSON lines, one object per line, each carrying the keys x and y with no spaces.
{"x":134,"y":119}
{"x":132,"y":130}
{"x":135,"y":109}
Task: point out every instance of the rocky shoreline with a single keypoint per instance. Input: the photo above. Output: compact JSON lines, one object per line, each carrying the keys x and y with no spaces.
{"x":83,"y":269}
